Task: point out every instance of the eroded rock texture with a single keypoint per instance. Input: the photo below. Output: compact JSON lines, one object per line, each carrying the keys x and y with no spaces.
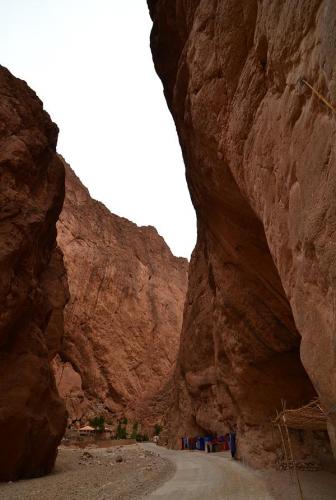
{"x":123,"y":321}
{"x":259,"y":150}
{"x":33,"y":288}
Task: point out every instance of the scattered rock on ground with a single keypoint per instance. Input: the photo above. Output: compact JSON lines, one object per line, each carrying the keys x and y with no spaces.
{"x":96,"y":476}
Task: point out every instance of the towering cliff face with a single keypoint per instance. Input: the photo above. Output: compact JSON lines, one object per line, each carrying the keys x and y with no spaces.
{"x":33,"y":287}
{"x":259,"y":149}
{"x":124,"y":317}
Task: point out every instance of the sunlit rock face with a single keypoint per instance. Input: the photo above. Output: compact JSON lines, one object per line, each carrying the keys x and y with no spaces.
{"x":124,"y":317}
{"x":259,"y":149}
{"x":33,"y":288}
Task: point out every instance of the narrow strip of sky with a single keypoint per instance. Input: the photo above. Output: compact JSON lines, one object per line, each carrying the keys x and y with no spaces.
{"x":90,"y":63}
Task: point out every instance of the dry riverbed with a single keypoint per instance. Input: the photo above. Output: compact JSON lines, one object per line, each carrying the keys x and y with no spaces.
{"x":126,"y":472}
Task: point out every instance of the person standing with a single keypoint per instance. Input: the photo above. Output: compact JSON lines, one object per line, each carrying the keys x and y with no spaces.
{"x":232,"y":443}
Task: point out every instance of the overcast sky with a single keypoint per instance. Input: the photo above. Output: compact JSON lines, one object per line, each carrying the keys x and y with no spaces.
{"x":90,"y":63}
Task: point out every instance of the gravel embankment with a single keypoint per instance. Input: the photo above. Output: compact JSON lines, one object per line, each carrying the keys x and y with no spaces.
{"x":126,"y":472}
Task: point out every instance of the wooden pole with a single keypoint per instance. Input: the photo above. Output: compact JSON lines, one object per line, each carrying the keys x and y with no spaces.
{"x":292,"y":457}
{"x":285,"y":452}
{"x":330,"y":106}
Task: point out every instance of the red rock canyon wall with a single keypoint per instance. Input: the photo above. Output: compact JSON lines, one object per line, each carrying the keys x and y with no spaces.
{"x":259,"y":149}
{"x":124,"y":317}
{"x":33,"y":287}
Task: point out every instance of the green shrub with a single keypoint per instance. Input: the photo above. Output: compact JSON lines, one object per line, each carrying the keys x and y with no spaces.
{"x":98,"y":423}
{"x":134,"y":430}
{"x":121,"y":432}
{"x":157,"y":429}
{"x":142,"y":437}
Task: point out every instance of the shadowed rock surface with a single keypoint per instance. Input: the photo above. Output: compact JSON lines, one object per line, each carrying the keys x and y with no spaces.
{"x":124,"y":317}
{"x":33,"y":288}
{"x":259,"y":149}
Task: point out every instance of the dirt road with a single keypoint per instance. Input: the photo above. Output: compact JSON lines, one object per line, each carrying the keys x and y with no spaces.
{"x":207,"y":476}
{"x":215,"y":476}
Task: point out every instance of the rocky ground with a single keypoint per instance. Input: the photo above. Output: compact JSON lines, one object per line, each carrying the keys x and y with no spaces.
{"x":318,"y":485}
{"x":127,"y":472}
{"x":137,"y":471}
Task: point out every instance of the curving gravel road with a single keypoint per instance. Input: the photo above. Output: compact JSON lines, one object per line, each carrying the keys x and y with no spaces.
{"x":215,"y":476}
{"x":207,"y":476}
